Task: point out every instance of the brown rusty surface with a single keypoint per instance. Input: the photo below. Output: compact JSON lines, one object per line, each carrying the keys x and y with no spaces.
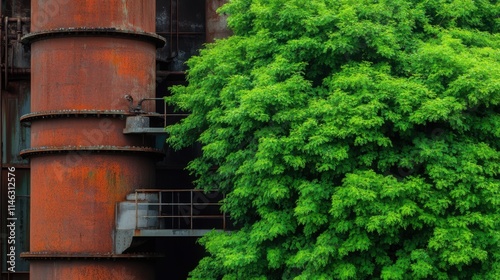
{"x":83,"y":131}
{"x":93,"y":53}
{"x":216,"y":24}
{"x":75,"y":196}
{"x":81,"y":73}
{"x":86,"y":270}
{"x":137,"y":15}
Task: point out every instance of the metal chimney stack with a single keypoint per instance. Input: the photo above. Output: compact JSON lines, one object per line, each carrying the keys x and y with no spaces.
{"x":85,"y":57}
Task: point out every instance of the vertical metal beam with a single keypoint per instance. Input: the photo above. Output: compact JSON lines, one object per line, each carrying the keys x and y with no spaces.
{"x":191,"y":208}
{"x":6,"y":46}
{"x":1,"y":95}
{"x":1,"y":129}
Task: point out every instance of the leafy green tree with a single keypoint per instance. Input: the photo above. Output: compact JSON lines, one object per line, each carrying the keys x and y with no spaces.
{"x":354,"y":139}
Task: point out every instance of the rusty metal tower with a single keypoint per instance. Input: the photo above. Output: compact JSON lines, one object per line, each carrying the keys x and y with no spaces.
{"x":85,"y":56}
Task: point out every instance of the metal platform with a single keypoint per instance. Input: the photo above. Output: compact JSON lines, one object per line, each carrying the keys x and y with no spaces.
{"x":144,"y":130}
{"x":167,"y":213}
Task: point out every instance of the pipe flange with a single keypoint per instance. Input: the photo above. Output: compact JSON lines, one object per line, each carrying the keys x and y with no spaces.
{"x":90,"y":149}
{"x":158,"y":40}
{"x":75,"y":113}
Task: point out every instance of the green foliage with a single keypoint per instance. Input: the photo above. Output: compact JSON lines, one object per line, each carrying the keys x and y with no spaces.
{"x":354,"y":139}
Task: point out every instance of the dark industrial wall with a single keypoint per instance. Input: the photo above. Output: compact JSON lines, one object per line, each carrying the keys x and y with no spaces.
{"x":15,"y":102}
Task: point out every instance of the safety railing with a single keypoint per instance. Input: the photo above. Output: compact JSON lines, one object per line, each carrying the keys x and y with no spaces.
{"x":178,"y":209}
{"x":139,"y":110}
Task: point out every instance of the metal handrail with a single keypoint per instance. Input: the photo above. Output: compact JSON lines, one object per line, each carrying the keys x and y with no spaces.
{"x":175,"y":205}
{"x":138,"y":108}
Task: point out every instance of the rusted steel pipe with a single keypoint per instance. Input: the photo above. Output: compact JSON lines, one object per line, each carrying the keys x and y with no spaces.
{"x":86,"y":55}
{"x":1,"y":107}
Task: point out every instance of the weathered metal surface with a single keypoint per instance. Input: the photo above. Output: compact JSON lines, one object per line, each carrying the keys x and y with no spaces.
{"x":83,"y":131}
{"x":97,"y":73}
{"x":134,"y":15}
{"x":86,"y":56}
{"x":216,"y":24}
{"x":137,"y":122}
{"x":124,"y":239}
{"x":75,"y":196}
{"x":92,"y":269}
{"x":140,"y":125}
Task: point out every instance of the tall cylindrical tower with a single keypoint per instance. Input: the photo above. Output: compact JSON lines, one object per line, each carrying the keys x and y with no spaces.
{"x":85,"y":57}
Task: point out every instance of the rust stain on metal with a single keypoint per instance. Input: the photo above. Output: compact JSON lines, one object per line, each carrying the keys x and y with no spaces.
{"x":91,"y":269}
{"x":134,"y":15}
{"x":75,"y":211}
{"x":86,"y":55}
{"x":104,"y":70}
{"x":216,"y":24}
{"x":83,"y":131}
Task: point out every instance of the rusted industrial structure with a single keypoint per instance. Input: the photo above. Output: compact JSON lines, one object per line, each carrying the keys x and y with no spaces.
{"x":98,"y":193}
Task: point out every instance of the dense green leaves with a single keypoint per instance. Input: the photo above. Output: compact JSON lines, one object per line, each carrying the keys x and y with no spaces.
{"x":354,"y":139}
